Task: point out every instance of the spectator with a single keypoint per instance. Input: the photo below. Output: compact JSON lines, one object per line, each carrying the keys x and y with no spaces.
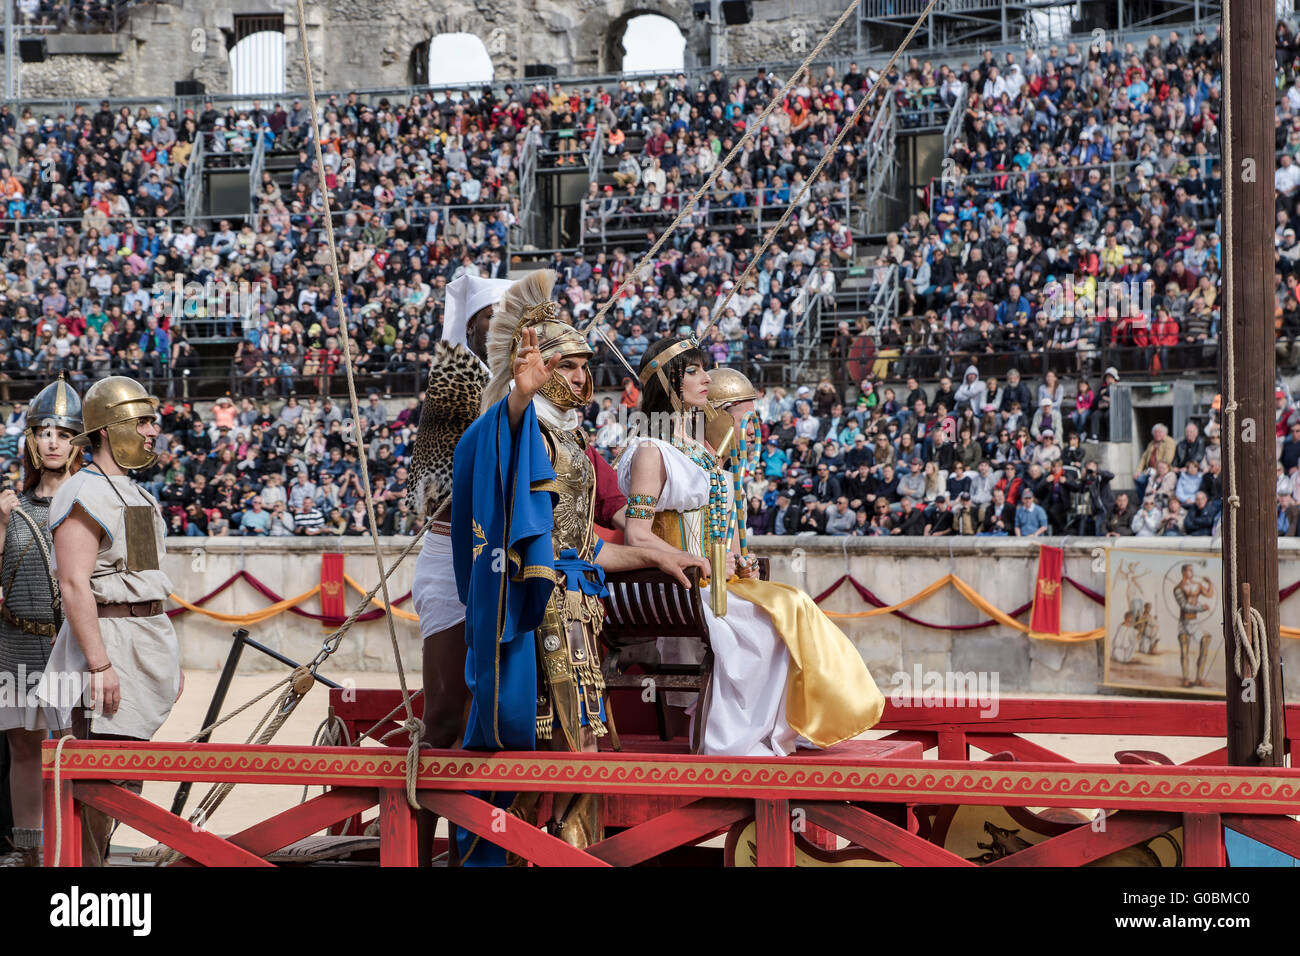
{"x":1031,"y":519}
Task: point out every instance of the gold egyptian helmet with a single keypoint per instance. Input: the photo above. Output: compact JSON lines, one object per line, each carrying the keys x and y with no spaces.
{"x":57,"y":405}
{"x":528,"y":304}
{"x":116,"y":403}
{"x":727,"y":387}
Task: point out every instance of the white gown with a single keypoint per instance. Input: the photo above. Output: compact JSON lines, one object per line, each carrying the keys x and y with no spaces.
{"x":751,"y":663}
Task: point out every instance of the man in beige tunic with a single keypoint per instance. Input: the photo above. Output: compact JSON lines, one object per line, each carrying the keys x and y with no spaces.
{"x":116,"y":644}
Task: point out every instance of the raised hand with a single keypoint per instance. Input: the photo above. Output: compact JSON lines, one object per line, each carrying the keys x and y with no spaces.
{"x":530,"y":370}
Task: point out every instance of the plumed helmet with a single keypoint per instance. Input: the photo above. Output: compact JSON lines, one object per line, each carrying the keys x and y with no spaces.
{"x":56,"y":404}
{"x":728,"y":386}
{"x":115,"y":403}
{"x":528,"y":304}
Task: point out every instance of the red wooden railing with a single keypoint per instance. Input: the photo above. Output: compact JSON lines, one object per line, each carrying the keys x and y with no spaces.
{"x":848,"y":792}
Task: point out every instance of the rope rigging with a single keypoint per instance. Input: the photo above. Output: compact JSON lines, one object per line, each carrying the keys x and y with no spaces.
{"x":300,"y":681}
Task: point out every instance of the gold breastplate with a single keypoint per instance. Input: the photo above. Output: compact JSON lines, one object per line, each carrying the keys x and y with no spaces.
{"x":567,"y":638}
{"x":575,"y":488}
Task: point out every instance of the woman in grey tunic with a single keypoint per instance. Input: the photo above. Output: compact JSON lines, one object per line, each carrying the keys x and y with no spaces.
{"x":29,"y":616}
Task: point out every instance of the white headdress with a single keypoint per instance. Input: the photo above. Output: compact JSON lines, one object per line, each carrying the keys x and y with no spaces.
{"x":466,"y":294}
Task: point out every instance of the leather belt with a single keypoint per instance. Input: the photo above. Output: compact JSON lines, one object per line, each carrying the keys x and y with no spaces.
{"x":26,"y":625}
{"x":131,"y":609}
{"x":440,"y":527}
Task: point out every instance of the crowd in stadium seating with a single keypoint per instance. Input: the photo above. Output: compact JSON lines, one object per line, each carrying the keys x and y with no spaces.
{"x":1077,"y":217}
{"x":993,"y":457}
{"x":1008,"y":282}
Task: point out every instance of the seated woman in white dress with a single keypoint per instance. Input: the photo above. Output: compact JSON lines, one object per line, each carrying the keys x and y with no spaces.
{"x":782,"y":670}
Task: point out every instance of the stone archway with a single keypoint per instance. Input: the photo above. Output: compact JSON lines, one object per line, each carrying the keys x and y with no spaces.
{"x":649,"y":41}
{"x":602,"y":32}
{"x":416,"y":36}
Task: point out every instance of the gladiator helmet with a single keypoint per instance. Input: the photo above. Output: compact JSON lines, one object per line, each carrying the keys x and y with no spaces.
{"x":115,"y":403}
{"x":57,"y":405}
{"x":528,"y":304}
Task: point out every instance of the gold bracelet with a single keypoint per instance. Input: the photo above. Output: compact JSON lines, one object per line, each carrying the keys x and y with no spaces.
{"x":640,"y":511}
{"x":100,"y":670}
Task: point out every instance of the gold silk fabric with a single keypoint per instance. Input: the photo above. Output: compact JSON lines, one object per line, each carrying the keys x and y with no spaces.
{"x":831,"y":695}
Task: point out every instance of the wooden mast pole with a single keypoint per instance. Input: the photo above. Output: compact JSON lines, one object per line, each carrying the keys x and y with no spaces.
{"x":1247,"y":376}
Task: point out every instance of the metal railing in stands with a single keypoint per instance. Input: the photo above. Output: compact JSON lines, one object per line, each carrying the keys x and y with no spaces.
{"x":403,"y":94}
{"x":878,"y":180}
{"x":1197,"y":361}
{"x":526,"y":171}
{"x":922,"y":111}
{"x":194,"y":185}
{"x":875,"y":300}
{"x":1078,"y":174}
{"x":866,"y":60}
{"x":871,"y":12}
{"x":802,"y":362}
{"x":956,"y":121}
{"x":717,"y":210}
{"x":807,"y":332}
{"x":255,"y":174}
{"x":140,"y":222}
{"x":549,"y":155}
{"x":596,"y":154}
{"x":109,"y":20}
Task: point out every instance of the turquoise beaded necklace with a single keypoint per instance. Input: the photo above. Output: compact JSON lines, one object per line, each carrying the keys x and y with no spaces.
{"x":716,"y":525}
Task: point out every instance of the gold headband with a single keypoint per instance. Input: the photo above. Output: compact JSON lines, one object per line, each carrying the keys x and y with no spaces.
{"x":660,"y":361}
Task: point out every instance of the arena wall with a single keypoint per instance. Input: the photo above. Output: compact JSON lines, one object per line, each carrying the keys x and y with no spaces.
{"x":1002,"y":570}
{"x":367,"y":44}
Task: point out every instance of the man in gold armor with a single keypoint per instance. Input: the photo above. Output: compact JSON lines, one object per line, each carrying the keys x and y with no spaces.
{"x":540,"y":382}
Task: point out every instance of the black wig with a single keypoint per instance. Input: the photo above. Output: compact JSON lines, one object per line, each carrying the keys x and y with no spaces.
{"x":653,"y":397}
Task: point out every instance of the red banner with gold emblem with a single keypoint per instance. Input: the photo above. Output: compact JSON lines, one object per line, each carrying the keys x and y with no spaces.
{"x":1046,"y":615}
{"x":331,"y":586}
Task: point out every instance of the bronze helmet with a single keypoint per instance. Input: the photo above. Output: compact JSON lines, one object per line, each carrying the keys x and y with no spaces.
{"x":728,"y":386}
{"x":557,"y":337}
{"x":115,"y":403}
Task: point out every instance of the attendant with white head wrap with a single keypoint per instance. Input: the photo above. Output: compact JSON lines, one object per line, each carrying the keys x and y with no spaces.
{"x":452,"y":396}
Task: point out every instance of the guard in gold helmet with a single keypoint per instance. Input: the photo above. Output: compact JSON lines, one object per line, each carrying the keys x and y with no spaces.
{"x":116,"y":640}
{"x":729,"y":391}
{"x":118,"y":404}
{"x":728,"y":387}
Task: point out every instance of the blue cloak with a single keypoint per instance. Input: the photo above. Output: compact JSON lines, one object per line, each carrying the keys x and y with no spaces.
{"x":505,"y":572}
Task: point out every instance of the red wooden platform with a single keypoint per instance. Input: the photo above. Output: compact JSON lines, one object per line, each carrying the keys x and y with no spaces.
{"x":865,"y":792}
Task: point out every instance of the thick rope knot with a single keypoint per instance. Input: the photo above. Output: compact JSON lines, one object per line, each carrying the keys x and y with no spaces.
{"x":1234,"y":500}
{"x":415,"y":727}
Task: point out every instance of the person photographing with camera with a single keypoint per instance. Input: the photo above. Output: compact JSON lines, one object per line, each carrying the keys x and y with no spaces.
{"x":1092,"y":501}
